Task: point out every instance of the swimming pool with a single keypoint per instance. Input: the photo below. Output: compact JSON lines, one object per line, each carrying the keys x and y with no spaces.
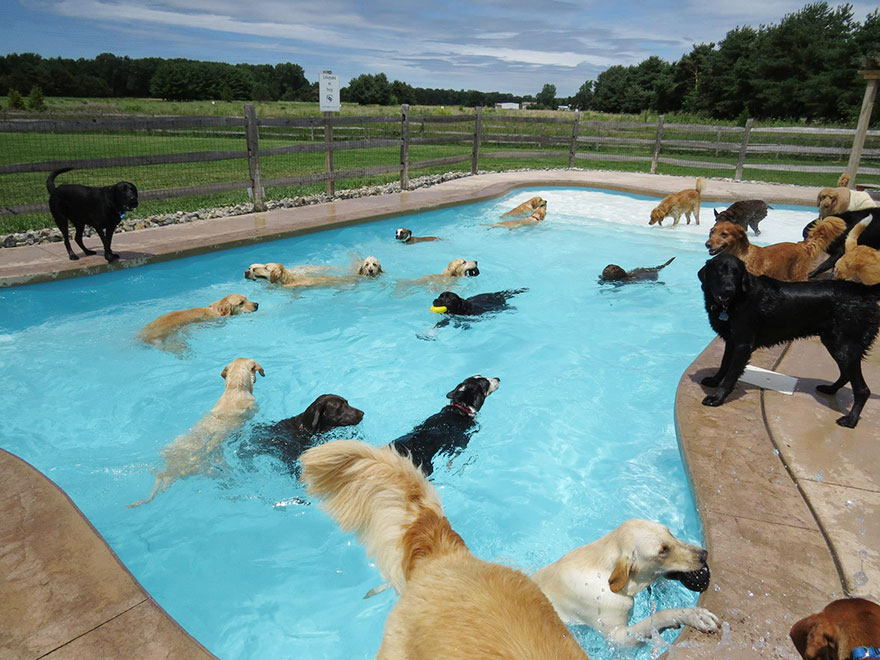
{"x":578,"y":438}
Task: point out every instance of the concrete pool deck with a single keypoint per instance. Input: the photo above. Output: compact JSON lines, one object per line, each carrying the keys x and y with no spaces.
{"x":789,"y":501}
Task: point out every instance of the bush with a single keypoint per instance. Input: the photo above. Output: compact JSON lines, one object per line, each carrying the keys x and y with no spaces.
{"x":36,"y":100}
{"x":15,"y":100}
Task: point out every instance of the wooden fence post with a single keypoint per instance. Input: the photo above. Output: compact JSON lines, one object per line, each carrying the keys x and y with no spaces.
{"x":328,"y":154}
{"x":478,"y":128}
{"x":742,"y":150}
{"x":252,"y":134}
{"x":855,"y":156}
{"x":657,"y":142}
{"x":404,"y":146}
{"x":574,"y":139}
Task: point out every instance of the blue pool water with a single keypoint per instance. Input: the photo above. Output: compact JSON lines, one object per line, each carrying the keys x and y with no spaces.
{"x":578,"y":438}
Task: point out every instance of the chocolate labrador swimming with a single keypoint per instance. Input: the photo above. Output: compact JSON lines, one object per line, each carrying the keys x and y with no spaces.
{"x":101,"y":208}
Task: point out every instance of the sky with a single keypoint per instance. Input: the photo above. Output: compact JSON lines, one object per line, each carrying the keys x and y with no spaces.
{"x":514,"y":46}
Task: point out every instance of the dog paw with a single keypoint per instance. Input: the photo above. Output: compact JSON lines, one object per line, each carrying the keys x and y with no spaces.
{"x":713,"y":400}
{"x":710,"y":381}
{"x":826,"y":389}
{"x":847,"y":422}
{"x":73,"y":257}
{"x":702,"y":620}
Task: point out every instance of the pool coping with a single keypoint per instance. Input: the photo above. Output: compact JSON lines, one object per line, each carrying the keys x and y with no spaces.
{"x":752,"y":462}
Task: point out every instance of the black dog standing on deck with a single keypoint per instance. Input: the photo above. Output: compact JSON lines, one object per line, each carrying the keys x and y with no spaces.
{"x":101,"y":208}
{"x":287,"y":439}
{"x":751,"y":312}
{"x":449,"y":431}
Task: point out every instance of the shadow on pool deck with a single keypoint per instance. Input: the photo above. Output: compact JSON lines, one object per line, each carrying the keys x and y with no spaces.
{"x":789,"y":501}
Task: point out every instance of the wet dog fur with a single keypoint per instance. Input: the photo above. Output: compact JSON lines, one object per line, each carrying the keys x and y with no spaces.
{"x":686,"y":202}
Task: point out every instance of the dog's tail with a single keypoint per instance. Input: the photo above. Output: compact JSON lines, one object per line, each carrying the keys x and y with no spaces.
{"x":386,"y":500}
{"x":671,"y":259}
{"x":822,"y":233}
{"x":852,"y":238}
{"x":700,"y":185}
{"x":161,"y":484}
{"x":50,"y":182}
{"x":843,"y":180}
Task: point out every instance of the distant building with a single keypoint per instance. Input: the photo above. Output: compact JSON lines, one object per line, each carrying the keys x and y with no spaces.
{"x":507,"y":106}
{"x":563,"y":107}
{"x":527,"y":104}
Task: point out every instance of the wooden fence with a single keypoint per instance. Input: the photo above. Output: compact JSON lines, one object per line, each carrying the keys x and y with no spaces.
{"x":486,"y":136}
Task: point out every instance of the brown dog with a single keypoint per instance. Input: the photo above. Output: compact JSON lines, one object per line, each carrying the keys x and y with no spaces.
{"x":194,"y":452}
{"x":685,"y":203}
{"x":526,"y":208}
{"x":452,"y":604}
{"x":158,"y":331}
{"x":860,"y":263}
{"x":782,"y":261}
{"x":306,"y":276}
{"x":833,"y":633}
{"x":537,"y":216}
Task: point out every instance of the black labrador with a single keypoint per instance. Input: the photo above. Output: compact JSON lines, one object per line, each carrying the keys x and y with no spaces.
{"x":287,"y":439}
{"x":451,"y":303}
{"x":837,"y":247}
{"x":101,"y":208}
{"x":448,"y":431}
{"x":751,"y":312}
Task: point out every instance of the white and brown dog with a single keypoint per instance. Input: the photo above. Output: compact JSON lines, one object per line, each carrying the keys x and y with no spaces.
{"x":405,"y":236}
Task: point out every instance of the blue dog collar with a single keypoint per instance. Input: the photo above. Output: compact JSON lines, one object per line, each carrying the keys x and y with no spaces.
{"x":862,"y":652}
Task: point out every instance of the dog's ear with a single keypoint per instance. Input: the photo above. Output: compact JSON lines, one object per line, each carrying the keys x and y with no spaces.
{"x":715,"y":211}
{"x":745,"y":280}
{"x":702,"y":274}
{"x":224,"y":372}
{"x":256,"y":368}
{"x":814,"y":637}
{"x":315,"y":417}
{"x":623,"y":568}
{"x":223,"y":307}
{"x":274,"y":274}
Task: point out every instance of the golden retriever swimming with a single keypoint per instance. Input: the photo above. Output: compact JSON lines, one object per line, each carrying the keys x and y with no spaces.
{"x":526,"y":208}
{"x":198,"y":449}
{"x":860,"y":263}
{"x":782,"y":261}
{"x":452,"y":604}
{"x":537,"y":216}
{"x":685,"y":203}
{"x":160,"y":330}
{"x":595,"y":584}
{"x":834,"y":201}
{"x":454,"y":269}
{"x":309,"y":276}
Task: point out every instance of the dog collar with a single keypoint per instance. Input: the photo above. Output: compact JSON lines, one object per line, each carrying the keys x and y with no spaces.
{"x":861,"y":652}
{"x":722,"y":315}
{"x":467,"y":410}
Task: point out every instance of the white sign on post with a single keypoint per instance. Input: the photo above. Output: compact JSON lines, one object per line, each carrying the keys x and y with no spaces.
{"x":328,"y":90}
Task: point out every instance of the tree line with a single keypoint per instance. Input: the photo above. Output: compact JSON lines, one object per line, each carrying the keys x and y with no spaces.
{"x":804,"y":67}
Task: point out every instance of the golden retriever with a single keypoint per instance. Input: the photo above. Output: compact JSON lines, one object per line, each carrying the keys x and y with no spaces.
{"x":860,"y":263}
{"x":782,"y":261}
{"x":309,"y":276}
{"x":685,"y":203}
{"x":537,"y":216}
{"x":834,"y":201}
{"x":454,"y":269}
{"x":452,"y":604}
{"x":158,"y":331}
{"x":195,"y":451}
{"x":595,"y":584}
{"x":526,"y":208}
{"x":841,"y":627}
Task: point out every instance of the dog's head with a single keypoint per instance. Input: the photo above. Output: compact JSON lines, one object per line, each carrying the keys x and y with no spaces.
{"x":370,"y":267}
{"x":613,"y":272}
{"x":461,"y":267}
{"x":540,"y":213}
{"x":648,"y":550}
{"x":843,"y":625}
{"x":724,"y":278}
{"x":832,"y":201}
{"x":242,"y":373}
{"x":329,"y":411}
{"x":657,"y":215}
{"x":472,"y":392}
{"x":271,"y":271}
{"x":234,"y":303}
{"x":125,"y":196}
{"x":727,"y":236}
{"x":450,"y":303}
{"x":815,"y":638}
{"x":403,"y":234}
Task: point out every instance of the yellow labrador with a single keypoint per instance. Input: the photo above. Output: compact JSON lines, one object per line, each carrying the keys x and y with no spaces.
{"x":158,"y":331}
{"x":454,"y":269}
{"x":537,"y":216}
{"x":595,"y":584}
{"x":195,"y":451}
{"x":526,"y":208}
{"x":309,"y":276}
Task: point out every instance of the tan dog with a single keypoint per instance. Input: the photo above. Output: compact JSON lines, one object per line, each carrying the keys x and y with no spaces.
{"x":196,"y":451}
{"x":833,"y":633}
{"x":454,"y":269}
{"x":860,"y":263}
{"x":537,"y":216}
{"x":685,"y":203}
{"x":157,"y":332}
{"x":309,"y":276}
{"x":526,"y":208}
{"x":595,"y":584}
{"x":834,"y":201}
{"x":783,"y":261}
{"x":452,"y":604}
